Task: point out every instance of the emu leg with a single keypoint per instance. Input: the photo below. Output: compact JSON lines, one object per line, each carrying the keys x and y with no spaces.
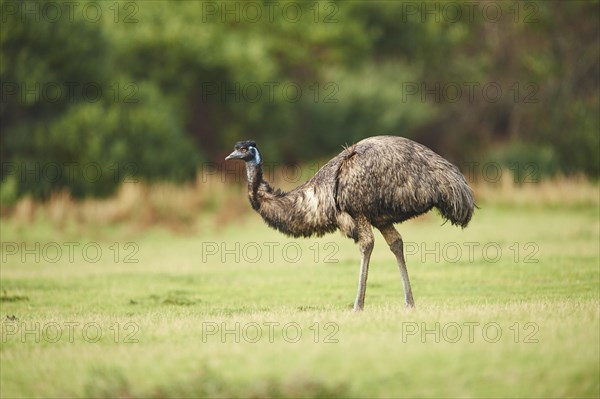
{"x":366,"y":241}
{"x":394,"y":240}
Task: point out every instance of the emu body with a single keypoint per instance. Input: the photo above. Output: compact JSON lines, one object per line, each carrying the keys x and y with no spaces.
{"x":377,"y":182}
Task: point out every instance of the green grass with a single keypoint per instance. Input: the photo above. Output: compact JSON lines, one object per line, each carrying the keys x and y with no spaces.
{"x":184,"y":322}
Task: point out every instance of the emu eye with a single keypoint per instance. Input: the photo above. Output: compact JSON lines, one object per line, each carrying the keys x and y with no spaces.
{"x":244,"y":150}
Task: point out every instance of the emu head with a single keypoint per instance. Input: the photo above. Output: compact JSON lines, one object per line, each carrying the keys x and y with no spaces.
{"x":246,"y":151}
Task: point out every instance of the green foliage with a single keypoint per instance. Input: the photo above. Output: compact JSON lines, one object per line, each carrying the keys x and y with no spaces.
{"x":370,"y":101}
{"x":72,"y":119}
{"x":528,"y":162}
{"x":163,"y":85}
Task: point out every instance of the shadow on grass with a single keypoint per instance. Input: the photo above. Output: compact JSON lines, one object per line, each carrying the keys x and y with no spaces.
{"x":13,"y":298}
{"x":179,"y":298}
{"x":112,"y":383}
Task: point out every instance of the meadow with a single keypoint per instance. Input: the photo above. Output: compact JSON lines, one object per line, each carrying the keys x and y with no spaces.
{"x":212,"y":303}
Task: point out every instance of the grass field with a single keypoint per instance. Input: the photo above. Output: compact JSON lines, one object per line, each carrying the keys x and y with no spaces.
{"x":509,"y":307}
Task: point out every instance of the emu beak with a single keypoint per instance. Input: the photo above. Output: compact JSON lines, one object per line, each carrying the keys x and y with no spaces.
{"x":233,"y":155}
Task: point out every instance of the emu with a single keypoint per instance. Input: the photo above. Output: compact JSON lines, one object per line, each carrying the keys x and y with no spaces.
{"x":378,"y":182}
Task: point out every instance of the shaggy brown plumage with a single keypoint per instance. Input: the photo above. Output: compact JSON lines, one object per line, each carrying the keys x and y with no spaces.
{"x":377,"y":182}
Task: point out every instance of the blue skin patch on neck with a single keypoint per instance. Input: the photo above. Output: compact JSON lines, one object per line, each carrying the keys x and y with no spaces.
{"x":257,"y":159}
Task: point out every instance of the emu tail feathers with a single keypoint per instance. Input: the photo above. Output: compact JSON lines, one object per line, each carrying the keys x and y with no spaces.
{"x":456,"y":202}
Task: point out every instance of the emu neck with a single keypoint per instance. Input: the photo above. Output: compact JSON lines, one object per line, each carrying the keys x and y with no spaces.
{"x":255,"y":181}
{"x":303,"y":211}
